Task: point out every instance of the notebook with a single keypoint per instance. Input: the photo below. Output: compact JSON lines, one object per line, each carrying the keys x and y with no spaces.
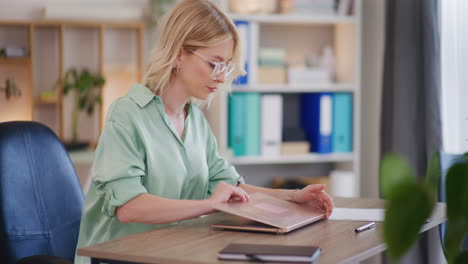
{"x":279,"y":253}
{"x":266,"y":214}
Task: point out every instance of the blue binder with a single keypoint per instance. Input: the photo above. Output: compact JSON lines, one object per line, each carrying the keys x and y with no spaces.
{"x":342,"y":122}
{"x":243,"y":27}
{"x":316,"y":120}
{"x":236,"y":123}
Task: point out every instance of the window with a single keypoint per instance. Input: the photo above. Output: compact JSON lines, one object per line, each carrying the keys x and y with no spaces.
{"x":454,"y":48}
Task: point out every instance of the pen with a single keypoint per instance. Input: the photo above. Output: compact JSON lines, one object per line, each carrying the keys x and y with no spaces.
{"x":365,"y":227}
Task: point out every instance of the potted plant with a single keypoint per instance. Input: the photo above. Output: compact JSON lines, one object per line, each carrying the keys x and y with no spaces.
{"x":405,"y":196}
{"x":87,"y":94}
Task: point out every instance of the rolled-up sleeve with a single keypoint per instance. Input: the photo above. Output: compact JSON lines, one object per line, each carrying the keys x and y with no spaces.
{"x":119,"y":168}
{"x":219,"y":169}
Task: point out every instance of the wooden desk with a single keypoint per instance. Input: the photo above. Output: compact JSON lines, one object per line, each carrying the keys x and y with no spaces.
{"x":194,"y":241}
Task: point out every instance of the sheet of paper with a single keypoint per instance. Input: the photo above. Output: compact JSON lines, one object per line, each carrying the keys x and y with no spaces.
{"x":357,"y":214}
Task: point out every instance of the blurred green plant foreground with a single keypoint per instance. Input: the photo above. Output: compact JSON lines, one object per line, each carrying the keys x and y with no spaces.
{"x":410,"y":202}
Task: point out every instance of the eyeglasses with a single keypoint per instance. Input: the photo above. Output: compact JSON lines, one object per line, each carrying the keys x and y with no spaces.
{"x":218,"y":67}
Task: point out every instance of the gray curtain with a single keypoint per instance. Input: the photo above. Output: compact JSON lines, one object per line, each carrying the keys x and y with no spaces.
{"x":410,"y":123}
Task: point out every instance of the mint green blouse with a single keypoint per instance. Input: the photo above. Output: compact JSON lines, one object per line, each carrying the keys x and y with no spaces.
{"x":139,"y":151}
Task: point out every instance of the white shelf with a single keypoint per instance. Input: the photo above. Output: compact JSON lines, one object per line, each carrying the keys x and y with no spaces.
{"x":296,"y":88}
{"x":87,"y":156}
{"x":294,"y":18}
{"x":294,"y":159}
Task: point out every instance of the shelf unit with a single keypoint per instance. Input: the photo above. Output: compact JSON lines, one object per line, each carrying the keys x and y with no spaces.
{"x":113,"y":49}
{"x":298,"y":19}
{"x":294,"y":159}
{"x":15,"y":60}
{"x":295,"y":88}
{"x":299,"y":34}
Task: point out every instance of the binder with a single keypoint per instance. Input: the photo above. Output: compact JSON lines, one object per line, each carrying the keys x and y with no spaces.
{"x":253,"y":124}
{"x":243,"y":28}
{"x":272,"y":123}
{"x":342,"y":122}
{"x":316,"y":120}
{"x":236,"y":124}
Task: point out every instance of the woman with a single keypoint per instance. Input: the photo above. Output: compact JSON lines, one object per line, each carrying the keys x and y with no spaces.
{"x":156,"y":162}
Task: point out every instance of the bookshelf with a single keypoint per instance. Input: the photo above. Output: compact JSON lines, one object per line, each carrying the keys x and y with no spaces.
{"x":295,"y":19}
{"x":298,"y":35}
{"x":294,"y":159}
{"x":112,"y":49}
{"x":296,"y":88}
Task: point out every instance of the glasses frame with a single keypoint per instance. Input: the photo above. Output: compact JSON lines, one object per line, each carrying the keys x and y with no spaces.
{"x":218,"y":67}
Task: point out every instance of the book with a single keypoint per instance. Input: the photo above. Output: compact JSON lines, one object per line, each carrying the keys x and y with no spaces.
{"x":252,"y":117}
{"x":271,"y":75}
{"x":272,"y":124}
{"x":342,"y":122}
{"x":316,"y":120}
{"x":243,"y":27}
{"x":237,"y":124}
{"x":273,"y":253}
{"x":15,"y":52}
{"x":295,"y":148}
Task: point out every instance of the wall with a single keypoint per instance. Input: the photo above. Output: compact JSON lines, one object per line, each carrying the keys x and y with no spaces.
{"x":373,"y":28}
{"x":31,"y":9}
{"x":372,"y":60}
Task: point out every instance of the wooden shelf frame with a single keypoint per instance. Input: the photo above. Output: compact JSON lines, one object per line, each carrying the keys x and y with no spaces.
{"x":62,"y":26}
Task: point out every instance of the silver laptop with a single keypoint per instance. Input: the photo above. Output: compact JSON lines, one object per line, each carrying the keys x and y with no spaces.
{"x":266,"y":214}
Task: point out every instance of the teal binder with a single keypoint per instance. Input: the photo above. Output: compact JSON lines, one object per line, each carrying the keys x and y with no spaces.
{"x":253,"y":124}
{"x":342,"y":135}
{"x":237,"y":123}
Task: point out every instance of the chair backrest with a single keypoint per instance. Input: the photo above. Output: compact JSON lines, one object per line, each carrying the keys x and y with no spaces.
{"x":41,"y":197}
{"x":447,"y":160}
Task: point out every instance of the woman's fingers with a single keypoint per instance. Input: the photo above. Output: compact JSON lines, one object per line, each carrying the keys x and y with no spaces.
{"x":225,"y":192}
{"x":315,"y":193}
{"x":240,"y":193}
{"x":327,"y":203}
{"x":315,"y":187}
{"x":309,"y":193}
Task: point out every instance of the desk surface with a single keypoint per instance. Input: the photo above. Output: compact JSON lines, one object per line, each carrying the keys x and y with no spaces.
{"x":193,"y":241}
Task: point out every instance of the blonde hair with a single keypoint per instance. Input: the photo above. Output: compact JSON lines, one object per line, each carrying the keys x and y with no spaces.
{"x":191,"y":24}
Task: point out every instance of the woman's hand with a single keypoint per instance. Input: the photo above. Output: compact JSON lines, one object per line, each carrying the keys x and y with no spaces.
{"x":225,"y":193}
{"x":315,"y":195}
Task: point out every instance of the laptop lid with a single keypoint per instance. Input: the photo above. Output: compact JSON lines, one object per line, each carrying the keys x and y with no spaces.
{"x":276,"y":215}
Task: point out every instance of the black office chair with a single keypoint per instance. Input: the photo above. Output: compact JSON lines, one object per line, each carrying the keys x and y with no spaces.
{"x":41,"y":197}
{"x":446,"y":161}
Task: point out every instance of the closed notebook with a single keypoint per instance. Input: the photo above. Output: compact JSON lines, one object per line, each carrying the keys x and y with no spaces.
{"x":264,"y":213}
{"x":279,"y":253}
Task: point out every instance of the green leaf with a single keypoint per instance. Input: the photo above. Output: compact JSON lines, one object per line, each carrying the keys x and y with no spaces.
{"x":90,"y":109}
{"x":462,"y":258}
{"x":82,"y":103}
{"x":405,"y":213}
{"x":433,"y":173}
{"x":66,"y":88}
{"x":457,"y":194}
{"x":457,"y":208}
{"x":394,"y":172}
{"x":453,"y":240}
{"x":100,"y":81}
{"x":74,"y":74}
